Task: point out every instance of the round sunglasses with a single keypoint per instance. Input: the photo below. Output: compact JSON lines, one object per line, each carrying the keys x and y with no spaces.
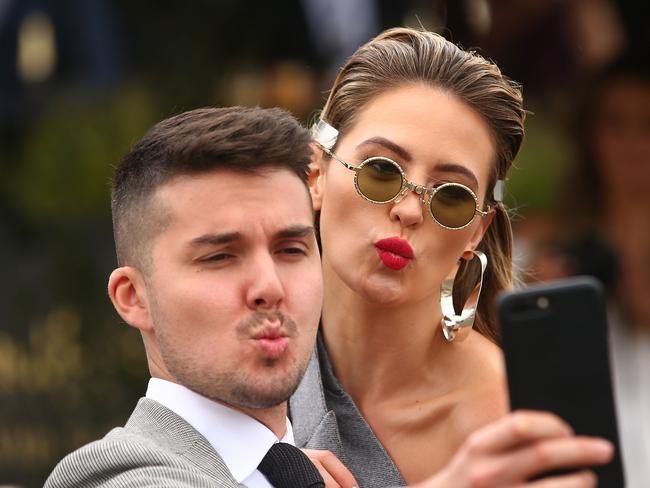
{"x":381,"y":180}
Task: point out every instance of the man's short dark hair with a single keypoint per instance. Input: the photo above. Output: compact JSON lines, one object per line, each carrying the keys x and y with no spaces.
{"x":247,"y":140}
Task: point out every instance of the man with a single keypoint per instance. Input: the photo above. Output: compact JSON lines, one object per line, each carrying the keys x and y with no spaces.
{"x":219,"y":270}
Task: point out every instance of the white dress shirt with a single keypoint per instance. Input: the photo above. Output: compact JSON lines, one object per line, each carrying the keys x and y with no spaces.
{"x":631,"y":363}
{"x":240,"y":440}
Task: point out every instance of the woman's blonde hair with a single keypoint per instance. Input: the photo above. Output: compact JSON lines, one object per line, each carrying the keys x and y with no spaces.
{"x":404,"y":56}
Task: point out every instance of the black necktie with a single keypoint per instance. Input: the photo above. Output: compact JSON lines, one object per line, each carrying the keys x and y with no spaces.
{"x":286,"y":466}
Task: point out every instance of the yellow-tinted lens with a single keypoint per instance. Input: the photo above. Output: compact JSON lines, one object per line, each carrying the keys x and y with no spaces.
{"x":453,"y":205}
{"x":379,"y":180}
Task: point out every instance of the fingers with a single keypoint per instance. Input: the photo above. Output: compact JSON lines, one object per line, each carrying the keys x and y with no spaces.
{"x":520,"y":446}
{"x":559,"y":453}
{"x":518,"y":428}
{"x":331,"y":469}
{"x":580,"y":479}
{"x":327,"y":478}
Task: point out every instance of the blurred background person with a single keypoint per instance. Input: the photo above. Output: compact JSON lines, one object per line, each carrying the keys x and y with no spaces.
{"x":603,"y":229}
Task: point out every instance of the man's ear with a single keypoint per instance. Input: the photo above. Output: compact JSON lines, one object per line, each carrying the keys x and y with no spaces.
{"x":316,"y":178}
{"x":478,"y":234}
{"x":128,"y":292}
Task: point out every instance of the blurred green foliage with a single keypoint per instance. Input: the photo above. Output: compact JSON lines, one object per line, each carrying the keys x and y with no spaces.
{"x":64,"y":168}
{"x":536,"y":176}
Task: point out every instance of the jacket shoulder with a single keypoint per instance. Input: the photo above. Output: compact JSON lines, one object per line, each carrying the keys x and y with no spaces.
{"x":125,"y":460}
{"x":155,"y":448}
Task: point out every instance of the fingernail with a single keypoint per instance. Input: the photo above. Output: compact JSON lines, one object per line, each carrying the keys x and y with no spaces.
{"x":603,"y":448}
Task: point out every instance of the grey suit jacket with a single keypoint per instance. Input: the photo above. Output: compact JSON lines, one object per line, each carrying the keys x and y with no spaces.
{"x":156,"y":447}
{"x":324,"y":416}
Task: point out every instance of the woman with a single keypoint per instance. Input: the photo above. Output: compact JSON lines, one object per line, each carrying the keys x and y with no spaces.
{"x":413,"y":146}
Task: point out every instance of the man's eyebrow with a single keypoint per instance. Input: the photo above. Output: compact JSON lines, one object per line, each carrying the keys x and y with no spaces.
{"x":295,"y":231}
{"x":388,"y":144}
{"x":215,"y":239}
{"x":228,"y":237}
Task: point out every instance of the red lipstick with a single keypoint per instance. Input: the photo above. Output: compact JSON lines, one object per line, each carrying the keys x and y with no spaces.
{"x":394,"y":252}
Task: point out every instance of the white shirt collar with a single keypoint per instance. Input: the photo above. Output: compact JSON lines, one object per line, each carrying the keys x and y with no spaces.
{"x":240,"y":440}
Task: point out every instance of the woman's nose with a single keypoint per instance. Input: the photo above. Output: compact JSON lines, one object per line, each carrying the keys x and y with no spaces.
{"x":408,"y":209}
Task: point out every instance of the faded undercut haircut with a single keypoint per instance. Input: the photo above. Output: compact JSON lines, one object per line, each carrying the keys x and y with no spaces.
{"x":246,"y":140}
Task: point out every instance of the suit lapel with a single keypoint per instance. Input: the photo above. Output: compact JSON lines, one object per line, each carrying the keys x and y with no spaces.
{"x":314,"y":425}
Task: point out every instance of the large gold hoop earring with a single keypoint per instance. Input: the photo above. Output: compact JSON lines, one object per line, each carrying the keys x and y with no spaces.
{"x":454,"y":326}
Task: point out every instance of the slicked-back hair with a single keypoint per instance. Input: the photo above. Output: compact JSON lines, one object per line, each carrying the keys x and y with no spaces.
{"x":246,"y":140}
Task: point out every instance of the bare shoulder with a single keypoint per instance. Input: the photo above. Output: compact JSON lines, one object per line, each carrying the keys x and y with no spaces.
{"x":484,"y":357}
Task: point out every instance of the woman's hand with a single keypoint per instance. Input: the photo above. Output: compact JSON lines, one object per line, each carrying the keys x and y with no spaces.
{"x":522,"y":445}
{"x":333,"y":471}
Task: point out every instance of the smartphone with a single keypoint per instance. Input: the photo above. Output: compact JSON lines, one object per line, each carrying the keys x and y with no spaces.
{"x":555,"y":342}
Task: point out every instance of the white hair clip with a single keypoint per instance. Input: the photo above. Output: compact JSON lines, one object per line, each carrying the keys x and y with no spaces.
{"x":324,"y":134}
{"x":499,"y":190}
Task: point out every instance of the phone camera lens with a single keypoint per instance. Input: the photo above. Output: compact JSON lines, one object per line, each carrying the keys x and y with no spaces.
{"x":543,"y":303}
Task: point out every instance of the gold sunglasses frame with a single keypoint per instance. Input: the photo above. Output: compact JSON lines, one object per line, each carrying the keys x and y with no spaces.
{"x":420,"y":190}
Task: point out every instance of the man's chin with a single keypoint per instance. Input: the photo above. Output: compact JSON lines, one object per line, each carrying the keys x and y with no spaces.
{"x":271,"y":394}
{"x":261,"y":400}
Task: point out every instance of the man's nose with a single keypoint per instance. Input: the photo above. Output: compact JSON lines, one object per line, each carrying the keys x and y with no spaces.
{"x":266,"y":289}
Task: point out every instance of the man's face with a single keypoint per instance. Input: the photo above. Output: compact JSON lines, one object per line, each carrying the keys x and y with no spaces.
{"x":235,"y":292}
